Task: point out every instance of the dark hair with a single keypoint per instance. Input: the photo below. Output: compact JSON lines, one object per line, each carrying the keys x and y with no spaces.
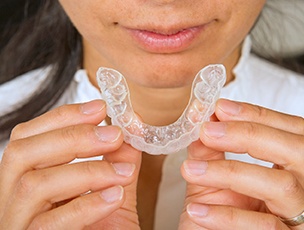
{"x":38,"y":33}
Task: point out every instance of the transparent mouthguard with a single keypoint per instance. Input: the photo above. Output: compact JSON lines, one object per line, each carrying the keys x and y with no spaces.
{"x":162,"y":139}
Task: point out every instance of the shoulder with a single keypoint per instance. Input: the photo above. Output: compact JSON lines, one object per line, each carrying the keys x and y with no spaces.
{"x":273,"y":86}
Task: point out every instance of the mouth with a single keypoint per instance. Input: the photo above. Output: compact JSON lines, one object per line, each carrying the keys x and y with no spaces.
{"x":165,"y":40}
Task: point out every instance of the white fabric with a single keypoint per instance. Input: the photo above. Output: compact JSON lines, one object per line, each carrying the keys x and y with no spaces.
{"x":256,"y":81}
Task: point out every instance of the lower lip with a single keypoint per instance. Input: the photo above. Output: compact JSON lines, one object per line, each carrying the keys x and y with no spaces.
{"x":160,"y":43}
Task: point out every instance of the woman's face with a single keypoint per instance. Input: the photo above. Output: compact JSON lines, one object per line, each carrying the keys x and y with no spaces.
{"x":162,"y":43}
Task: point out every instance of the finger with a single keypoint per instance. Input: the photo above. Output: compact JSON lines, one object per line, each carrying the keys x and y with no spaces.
{"x":92,"y":112}
{"x":230,"y":110}
{"x":279,"y":189}
{"x":126,"y":153}
{"x":198,"y":151}
{"x":40,"y":189}
{"x":262,"y":142}
{"x":229,"y":198}
{"x":61,"y":146}
{"x":91,"y":176}
{"x":81,"y":212}
{"x":224,"y":217}
{"x":54,"y":148}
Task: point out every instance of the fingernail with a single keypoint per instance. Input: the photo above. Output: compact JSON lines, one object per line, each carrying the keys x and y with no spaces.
{"x":112,"y":194}
{"x":107,"y":134}
{"x":195,"y":168}
{"x":124,"y":169}
{"x":92,"y":107}
{"x":214,"y":129}
{"x":197,"y":210}
{"x":229,"y":107}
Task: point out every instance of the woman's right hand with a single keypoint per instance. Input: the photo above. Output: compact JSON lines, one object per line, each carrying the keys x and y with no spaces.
{"x":40,"y":189}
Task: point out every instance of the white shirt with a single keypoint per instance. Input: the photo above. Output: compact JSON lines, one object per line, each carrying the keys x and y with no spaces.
{"x":256,"y":81}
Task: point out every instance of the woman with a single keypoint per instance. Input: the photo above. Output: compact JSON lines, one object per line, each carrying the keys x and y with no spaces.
{"x":159,"y":46}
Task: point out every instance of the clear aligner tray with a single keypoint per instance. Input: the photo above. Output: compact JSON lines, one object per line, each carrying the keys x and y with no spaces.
{"x":162,"y":139}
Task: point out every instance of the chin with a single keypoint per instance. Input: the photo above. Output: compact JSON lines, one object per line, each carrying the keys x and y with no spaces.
{"x":163,"y":79}
{"x":163,"y":74}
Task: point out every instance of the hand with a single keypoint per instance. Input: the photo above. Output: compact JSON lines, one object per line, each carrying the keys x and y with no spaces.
{"x":40,"y":189}
{"x":226,"y":194}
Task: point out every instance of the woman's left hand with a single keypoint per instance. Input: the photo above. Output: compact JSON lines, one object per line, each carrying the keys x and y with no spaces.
{"x":228,"y":194}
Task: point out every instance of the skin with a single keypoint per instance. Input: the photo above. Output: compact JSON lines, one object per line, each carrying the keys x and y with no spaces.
{"x":249,"y":195}
{"x":40,"y":190}
{"x":152,"y":76}
{"x":36,"y":190}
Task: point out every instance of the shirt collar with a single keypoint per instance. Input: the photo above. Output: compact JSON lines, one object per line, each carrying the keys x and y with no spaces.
{"x":245,"y":53}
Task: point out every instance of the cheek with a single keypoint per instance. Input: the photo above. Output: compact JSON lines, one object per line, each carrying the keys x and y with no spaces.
{"x":244,"y":14}
{"x":87,"y":17}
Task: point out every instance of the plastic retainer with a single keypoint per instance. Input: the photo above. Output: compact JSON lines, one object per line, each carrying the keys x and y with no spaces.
{"x":162,"y":139}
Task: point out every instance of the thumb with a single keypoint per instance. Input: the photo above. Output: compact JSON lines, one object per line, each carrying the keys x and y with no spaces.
{"x":126,"y":153}
{"x":198,"y":151}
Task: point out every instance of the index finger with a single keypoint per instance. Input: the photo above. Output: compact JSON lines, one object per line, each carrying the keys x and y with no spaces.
{"x":92,"y":112}
{"x":260,"y":141}
{"x":227,"y":110}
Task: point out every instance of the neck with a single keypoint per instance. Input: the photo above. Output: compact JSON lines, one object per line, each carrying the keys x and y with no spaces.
{"x":159,"y":106}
